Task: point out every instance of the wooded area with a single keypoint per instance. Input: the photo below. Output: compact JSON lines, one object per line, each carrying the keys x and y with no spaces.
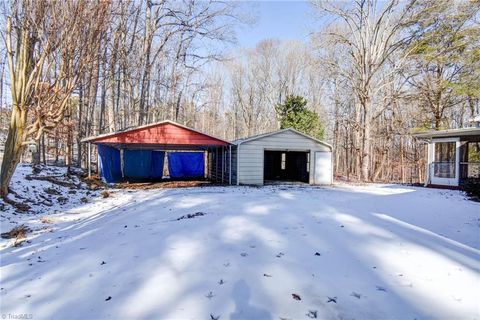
{"x":372,"y":71}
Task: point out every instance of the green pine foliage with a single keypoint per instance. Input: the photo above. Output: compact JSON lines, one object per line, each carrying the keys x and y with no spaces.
{"x":294,"y":114}
{"x":444,"y":59}
{"x":447,"y":39}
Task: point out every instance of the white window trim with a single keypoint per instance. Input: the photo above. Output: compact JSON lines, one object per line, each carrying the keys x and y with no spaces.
{"x":444,"y":181}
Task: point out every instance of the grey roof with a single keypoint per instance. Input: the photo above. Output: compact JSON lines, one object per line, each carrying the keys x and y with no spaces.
{"x":448,"y":133}
{"x":259,"y":136}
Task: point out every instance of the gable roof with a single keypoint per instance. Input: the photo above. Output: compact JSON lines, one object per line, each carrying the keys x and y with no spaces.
{"x":163,"y":132}
{"x":263,"y":135}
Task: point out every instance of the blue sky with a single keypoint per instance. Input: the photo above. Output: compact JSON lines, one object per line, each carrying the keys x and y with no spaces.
{"x":285,"y":20}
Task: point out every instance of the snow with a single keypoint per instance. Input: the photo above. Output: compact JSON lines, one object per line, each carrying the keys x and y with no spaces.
{"x":33,"y":193}
{"x":372,"y":251}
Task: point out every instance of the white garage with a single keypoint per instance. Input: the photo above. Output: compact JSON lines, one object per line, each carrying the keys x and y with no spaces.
{"x":281,"y":156}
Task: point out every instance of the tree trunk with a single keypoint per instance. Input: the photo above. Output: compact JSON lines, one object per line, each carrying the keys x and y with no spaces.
{"x":36,"y":153}
{"x":366,"y":145}
{"x":103,"y":98}
{"x":380,"y":166}
{"x":68,"y":148}
{"x":80,"y":133}
{"x":43,"y":149}
{"x":19,"y":75}
{"x":13,"y":148}
{"x":402,"y":163}
{"x":111,"y":110}
{"x":145,"y":82}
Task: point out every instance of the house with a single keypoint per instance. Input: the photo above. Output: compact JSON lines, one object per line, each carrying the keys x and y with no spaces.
{"x":142,"y":153}
{"x":453,"y":156}
{"x":284,"y":155}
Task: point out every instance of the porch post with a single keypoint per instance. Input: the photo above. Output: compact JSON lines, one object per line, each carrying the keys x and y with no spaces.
{"x":457,"y":161}
{"x":429,"y":162}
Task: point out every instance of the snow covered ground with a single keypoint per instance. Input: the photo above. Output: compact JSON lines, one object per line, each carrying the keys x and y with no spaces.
{"x":346,"y":252}
{"x":43,"y":197}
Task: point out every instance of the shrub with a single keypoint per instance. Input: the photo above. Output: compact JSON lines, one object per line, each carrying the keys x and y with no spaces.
{"x":472,"y":188}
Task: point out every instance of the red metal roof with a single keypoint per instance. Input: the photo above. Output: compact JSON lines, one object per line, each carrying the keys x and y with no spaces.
{"x":161,"y":133}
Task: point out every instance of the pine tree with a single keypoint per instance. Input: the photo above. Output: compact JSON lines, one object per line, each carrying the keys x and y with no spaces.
{"x":294,"y":114}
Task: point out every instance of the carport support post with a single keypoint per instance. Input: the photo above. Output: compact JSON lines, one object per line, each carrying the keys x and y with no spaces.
{"x":205,"y":164}
{"x":230,"y":164}
{"x":216,"y":164}
{"x":223,"y":162}
{"x":89,"y":163}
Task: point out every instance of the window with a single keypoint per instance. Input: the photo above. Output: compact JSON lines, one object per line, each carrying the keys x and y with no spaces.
{"x":284,"y":160}
{"x":473,"y":152}
{"x":444,"y":161}
{"x":471,"y":168}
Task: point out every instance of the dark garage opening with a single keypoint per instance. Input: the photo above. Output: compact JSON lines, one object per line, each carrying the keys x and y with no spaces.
{"x":288,"y":166}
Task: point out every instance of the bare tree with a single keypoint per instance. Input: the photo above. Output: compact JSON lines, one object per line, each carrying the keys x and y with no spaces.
{"x":373,"y":34}
{"x":49,"y":44}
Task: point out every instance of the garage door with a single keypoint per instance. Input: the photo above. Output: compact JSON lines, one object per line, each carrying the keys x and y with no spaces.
{"x":286,"y":166}
{"x":323,"y":168}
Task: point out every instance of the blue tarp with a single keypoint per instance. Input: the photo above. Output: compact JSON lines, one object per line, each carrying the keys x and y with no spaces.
{"x":109,"y":164}
{"x":137,"y":163}
{"x":186,"y":165}
{"x":143,"y":164}
{"x":156,"y":171}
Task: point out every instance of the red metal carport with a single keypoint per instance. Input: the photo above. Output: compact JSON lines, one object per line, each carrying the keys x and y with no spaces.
{"x":170,"y":136}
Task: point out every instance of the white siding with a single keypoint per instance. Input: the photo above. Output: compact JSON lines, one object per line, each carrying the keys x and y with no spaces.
{"x":323,"y":167}
{"x":251,"y":153}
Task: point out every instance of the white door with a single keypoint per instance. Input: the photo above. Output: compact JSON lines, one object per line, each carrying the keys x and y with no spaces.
{"x":445,"y":165}
{"x":323,"y":167}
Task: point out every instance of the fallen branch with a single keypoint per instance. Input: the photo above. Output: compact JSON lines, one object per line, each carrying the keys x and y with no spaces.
{"x":10,"y":190}
{"x":54,"y":180}
{"x":190,"y":216}
{"x":20,"y":206}
{"x":19,"y":233}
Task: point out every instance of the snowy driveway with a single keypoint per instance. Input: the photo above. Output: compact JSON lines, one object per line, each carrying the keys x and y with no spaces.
{"x":346,"y":252}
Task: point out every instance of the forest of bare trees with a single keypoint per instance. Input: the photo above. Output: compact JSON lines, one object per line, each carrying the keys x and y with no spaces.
{"x":373,"y":71}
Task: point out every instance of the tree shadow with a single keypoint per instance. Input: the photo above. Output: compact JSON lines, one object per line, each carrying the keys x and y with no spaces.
{"x":243,"y":307}
{"x":165,"y":268}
